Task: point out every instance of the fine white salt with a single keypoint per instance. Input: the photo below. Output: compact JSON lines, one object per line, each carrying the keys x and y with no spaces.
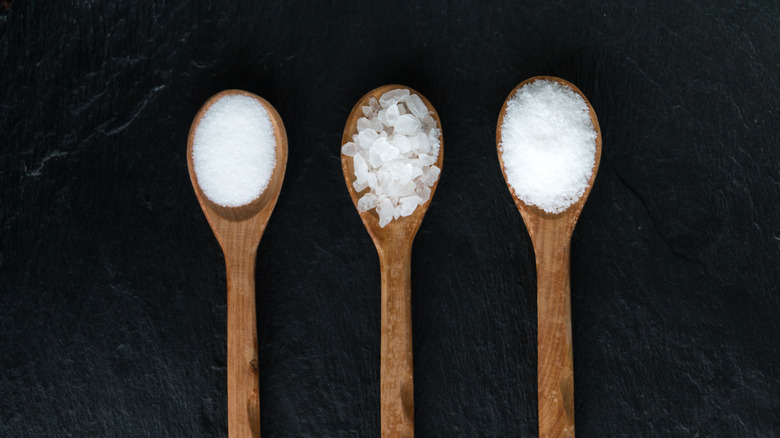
{"x":548,"y":145}
{"x":234,"y":150}
{"x":393,"y":154}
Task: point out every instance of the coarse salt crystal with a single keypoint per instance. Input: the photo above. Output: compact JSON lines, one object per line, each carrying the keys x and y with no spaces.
{"x":393,"y":96}
{"x":417,"y":106}
{"x":367,"y":202}
{"x":407,"y":124}
{"x":234,"y":150}
{"x":349,"y":149}
{"x":363,"y":124}
{"x":409,"y":203}
{"x":367,"y":137}
{"x":392,"y":114}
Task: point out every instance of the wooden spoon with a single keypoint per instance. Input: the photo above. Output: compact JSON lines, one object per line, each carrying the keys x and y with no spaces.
{"x":551,"y":237}
{"x":238,"y":230}
{"x":394,"y":245}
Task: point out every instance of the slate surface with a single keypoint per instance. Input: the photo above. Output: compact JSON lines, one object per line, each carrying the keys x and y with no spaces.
{"x":112,"y":289}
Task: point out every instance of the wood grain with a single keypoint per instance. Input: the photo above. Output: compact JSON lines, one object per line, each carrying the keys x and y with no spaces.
{"x":551,"y":237}
{"x":394,"y":245}
{"x":238,"y":231}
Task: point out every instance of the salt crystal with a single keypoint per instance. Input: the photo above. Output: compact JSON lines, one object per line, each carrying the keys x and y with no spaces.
{"x":416,"y":171}
{"x":395,"y":149}
{"x":430,"y":175}
{"x":363,"y":124}
{"x":377,"y":125}
{"x":424,"y":192}
{"x":428,"y":123}
{"x":409,"y":203}
{"x":385,"y":210}
{"x":407,"y":124}
{"x":372,"y":181}
{"x":416,"y":106}
{"x":407,"y":189}
{"x":402,"y":143}
{"x":413,"y":143}
{"x":367,"y":202}
{"x":385,"y":150}
{"x":361,"y":168}
{"x":367,"y":137}
{"x":385,"y":179}
{"x":424,"y":144}
{"x":393,"y":96}
{"x":359,"y":187}
{"x":349,"y":149}
{"x":405,"y":174}
{"x":374,"y":159}
{"x":234,"y":150}
{"x":426,"y":160}
{"x":433,"y":141}
{"x":548,"y":145}
{"x":382,"y":116}
{"x":392,"y":114}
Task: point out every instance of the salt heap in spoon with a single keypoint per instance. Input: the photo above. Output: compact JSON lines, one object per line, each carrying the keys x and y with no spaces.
{"x":393,"y":154}
{"x":234,"y":150}
{"x":548,"y":145}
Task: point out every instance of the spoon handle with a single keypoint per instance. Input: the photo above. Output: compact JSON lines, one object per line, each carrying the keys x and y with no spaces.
{"x":243,"y":388}
{"x":555,"y":365}
{"x":396,"y":371}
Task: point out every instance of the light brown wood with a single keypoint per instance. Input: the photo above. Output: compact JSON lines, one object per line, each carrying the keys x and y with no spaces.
{"x":551,"y":237}
{"x":238,"y":231}
{"x":394,"y":245}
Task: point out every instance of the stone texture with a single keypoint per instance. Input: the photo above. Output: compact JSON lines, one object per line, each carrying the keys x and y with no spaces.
{"x":112,"y":288}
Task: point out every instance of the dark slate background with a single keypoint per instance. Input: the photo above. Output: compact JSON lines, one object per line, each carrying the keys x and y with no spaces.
{"x":112,"y":287}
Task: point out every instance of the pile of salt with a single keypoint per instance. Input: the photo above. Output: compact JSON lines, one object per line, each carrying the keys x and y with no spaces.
{"x":234,"y":150}
{"x":393,"y":155}
{"x":548,"y":145}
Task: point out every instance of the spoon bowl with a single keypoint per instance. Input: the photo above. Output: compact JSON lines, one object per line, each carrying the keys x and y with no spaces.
{"x":403,"y":227}
{"x":394,"y":246}
{"x":533,"y":215}
{"x":238,"y":231}
{"x":551,"y":236}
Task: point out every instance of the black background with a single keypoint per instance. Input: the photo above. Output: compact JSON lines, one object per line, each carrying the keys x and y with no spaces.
{"x":112,"y":296}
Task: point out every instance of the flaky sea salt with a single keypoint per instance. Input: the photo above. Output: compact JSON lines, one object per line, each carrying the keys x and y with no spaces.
{"x":393,"y":154}
{"x":234,"y":150}
{"x":548,"y":145}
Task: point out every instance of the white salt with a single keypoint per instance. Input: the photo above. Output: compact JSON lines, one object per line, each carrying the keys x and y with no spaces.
{"x":234,"y":151}
{"x":394,"y":154}
{"x":393,"y":96}
{"x":548,"y":145}
{"x":417,"y":106}
{"x":407,"y":124}
{"x":392,"y":114}
{"x":349,"y":149}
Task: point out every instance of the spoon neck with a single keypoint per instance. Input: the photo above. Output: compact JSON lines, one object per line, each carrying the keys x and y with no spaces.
{"x":394,"y":252}
{"x":240,"y":262}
